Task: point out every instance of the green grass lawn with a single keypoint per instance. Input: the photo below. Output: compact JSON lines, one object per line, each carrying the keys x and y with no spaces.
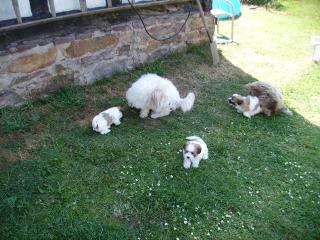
{"x":61,"y":180}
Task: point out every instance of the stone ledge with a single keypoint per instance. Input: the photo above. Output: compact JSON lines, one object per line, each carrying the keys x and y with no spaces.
{"x":90,"y":45}
{"x":10,"y":98}
{"x":33,"y":62}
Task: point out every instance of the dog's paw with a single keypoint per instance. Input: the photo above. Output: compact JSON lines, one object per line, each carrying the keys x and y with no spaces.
{"x":246,"y":115}
{"x":186,"y":165}
{"x":143,"y":115}
{"x":105,"y":132}
{"x":159,"y":114}
{"x":154,"y":115}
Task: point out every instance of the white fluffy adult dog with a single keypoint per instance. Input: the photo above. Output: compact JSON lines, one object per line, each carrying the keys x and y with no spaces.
{"x":102,"y":122}
{"x":194,"y":151}
{"x":158,"y":94}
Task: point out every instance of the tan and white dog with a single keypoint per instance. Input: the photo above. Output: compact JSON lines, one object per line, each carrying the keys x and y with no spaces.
{"x":194,"y":151}
{"x":262,"y":97}
{"x":102,"y":122}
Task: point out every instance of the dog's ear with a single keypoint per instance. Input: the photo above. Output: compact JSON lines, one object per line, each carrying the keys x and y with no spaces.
{"x":107,"y":117}
{"x":184,"y":146}
{"x":157,"y":98}
{"x":121,"y":108}
{"x":239,"y":101}
{"x":198,"y":149}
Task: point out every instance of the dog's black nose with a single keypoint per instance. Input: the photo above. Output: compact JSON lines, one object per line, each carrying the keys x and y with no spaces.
{"x":230,"y":101}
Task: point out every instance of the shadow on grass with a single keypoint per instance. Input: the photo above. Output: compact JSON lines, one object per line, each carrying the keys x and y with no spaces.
{"x":261,"y":180}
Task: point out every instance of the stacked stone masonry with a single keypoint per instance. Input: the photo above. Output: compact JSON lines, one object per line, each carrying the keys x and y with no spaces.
{"x":40,"y":63}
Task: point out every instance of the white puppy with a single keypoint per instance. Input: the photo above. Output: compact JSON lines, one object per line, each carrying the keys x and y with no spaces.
{"x":194,"y":151}
{"x":158,"y":94}
{"x":102,"y":122}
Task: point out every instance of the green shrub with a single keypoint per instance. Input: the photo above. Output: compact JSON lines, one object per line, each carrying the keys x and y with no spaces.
{"x":261,"y":2}
{"x":256,"y":2}
{"x":267,"y":3}
{"x":12,"y":120}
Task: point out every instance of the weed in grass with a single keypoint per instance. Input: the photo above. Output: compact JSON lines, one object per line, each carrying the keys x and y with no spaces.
{"x":12,"y":120}
{"x":67,"y":97}
{"x":116,"y":101}
{"x":201,"y":54}
{"x":157,"y":67}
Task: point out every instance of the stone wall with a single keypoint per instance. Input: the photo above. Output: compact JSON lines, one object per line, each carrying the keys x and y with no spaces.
{"x":41,"y":59}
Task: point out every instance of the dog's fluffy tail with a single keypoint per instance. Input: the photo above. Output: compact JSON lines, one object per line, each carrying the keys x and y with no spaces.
{"x":187,"y":103}
{"x":286,"y":111}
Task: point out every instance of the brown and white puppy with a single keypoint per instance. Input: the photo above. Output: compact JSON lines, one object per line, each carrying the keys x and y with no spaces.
{"x":102,"y":122}
{"x":194,"y":151}
{"x":248,"y":106}
{"x":268,"y":97}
